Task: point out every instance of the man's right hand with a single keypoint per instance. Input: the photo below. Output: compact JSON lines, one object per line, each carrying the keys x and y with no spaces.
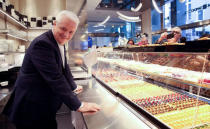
{"x":89,"y":107}
{"x":164,"y":35}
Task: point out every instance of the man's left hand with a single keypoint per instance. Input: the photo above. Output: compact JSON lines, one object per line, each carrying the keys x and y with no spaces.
{"x":78,"y":90}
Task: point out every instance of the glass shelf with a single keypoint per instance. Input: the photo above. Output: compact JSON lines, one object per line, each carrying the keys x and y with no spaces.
{"x":12,"y":34}
{"x":39,"y":28}
{"x":9,"y":52}
{"x":146,"y":72}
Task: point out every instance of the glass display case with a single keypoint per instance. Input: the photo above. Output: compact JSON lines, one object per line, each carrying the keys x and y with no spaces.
{"x":172,"y":88}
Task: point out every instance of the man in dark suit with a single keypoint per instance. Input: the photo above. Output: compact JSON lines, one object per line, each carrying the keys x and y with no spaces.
{"x":45,"y":81}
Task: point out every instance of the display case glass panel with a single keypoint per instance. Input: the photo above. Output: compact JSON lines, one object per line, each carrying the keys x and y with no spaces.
{"x":172,"y":87}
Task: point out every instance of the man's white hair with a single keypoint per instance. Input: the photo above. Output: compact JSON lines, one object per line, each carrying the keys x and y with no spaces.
{"x":68,"y":14}
{"x":177,"y":29}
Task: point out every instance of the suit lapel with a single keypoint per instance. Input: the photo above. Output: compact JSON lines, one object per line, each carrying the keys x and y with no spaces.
{"x":54,"y":42}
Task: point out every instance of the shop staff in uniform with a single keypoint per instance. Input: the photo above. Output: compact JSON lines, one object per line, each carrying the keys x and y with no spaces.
{"x":45,"y":81}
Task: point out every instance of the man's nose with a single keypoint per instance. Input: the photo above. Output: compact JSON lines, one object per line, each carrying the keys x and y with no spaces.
{"x":66,"y":34}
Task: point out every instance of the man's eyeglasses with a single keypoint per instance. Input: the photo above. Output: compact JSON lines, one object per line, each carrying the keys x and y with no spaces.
{"x":175,"y":32}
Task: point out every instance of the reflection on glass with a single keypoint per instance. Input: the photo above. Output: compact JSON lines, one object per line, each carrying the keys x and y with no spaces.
{"x":173,"y":87}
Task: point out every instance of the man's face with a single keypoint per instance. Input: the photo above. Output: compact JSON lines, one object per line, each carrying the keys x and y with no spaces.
{"x":64,"y":30}
{"x":176,"y":33}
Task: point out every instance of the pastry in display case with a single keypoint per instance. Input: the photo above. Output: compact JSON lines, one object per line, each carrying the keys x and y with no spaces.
{"x":174,"y":88}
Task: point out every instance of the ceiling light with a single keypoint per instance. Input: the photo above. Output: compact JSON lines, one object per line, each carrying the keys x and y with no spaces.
{"x":99,"y":26}
{"x":128,"y":20}
{"x":181,"y":1}
{"x":102,"y":23}
{"x":99,"y":30}
{"x":137,"y":8}
{"x":156,"y":7}
{"x":127,"y":17}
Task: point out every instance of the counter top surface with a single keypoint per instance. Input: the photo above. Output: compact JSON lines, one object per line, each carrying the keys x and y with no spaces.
{"x":4,"y":92}
{"x":114,"y":114}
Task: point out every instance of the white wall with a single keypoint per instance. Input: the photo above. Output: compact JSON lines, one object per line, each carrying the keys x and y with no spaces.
{"x":39,"y":8}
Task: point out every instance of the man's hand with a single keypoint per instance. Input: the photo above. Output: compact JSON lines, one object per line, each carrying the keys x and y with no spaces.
{"x":78,"y":90}
{"x":89,"y":108}
{"x":162,"y":36}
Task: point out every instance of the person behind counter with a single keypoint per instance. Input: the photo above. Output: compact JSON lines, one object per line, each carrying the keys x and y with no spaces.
{"x":130,"y":42}
{"x":144,"y":40}
{"x":45,"y":81}
{"x":173,"y":37}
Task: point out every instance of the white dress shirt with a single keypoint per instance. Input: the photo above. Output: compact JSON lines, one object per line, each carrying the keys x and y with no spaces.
{"x":61,"y":48}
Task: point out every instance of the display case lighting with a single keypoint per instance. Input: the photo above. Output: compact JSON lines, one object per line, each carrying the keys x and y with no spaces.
{"x":128,"y":17}
{"x":99,"y":30}
{"x":128,"y":20}
{"x":99,"y":26}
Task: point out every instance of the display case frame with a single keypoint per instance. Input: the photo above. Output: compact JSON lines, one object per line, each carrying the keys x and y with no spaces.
{"x":149,"y":77}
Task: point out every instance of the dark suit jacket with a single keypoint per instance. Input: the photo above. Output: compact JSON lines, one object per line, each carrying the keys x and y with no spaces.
{"x":42,"y":84}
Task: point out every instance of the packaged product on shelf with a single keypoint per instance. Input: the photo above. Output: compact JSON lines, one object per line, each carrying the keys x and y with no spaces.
{"x":17,"y":15}
{"x":3,"y":6}
{"x":33,"y":21}
{"x":13,"y":12}
{"x":9,"y":9}
{"x":39,"y":22}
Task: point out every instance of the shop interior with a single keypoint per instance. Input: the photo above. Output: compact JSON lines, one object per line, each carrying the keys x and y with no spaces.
{"x":139,"y":85}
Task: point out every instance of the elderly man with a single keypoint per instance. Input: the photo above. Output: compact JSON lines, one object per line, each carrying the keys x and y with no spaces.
{"x":174,"y":37}
{"x":45,"y":81}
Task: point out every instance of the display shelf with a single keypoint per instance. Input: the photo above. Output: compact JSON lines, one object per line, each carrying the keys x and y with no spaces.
{"x":17,"y":37}
{"x":136,"y":107}
{"x":167,"y":87}
{"x":146,"y":73}
{"x":178,"y":90}
{"x":143,"y":110}
{"x":39,"y":28}
{"x":171,"y":87}
{"x":12,"y":35}
{"x":12,"y":19}
{"x":10,"y":52}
